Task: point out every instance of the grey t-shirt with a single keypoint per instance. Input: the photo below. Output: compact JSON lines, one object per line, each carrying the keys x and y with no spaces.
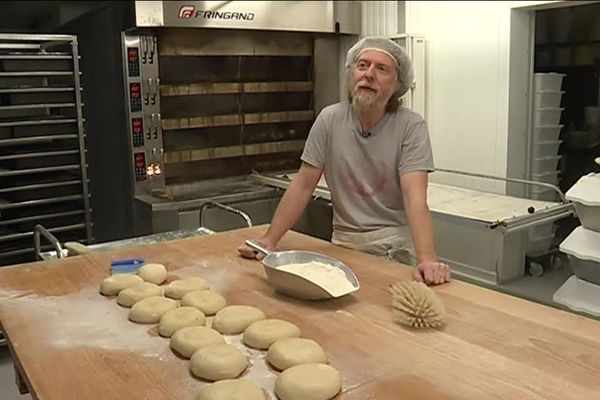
{"x":363,"y":174}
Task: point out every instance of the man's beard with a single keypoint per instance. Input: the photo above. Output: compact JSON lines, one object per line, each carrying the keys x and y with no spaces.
{"x":366,"y":100}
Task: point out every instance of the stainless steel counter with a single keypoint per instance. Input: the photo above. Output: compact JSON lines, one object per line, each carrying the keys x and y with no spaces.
{"x":137,"y":241}
{"x":179,"y":208}
{"x":484,"y":236}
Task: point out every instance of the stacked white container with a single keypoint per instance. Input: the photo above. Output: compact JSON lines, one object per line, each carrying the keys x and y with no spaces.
{"x":582,"y":290}
{"x":544,"y":152}
{"x":546,"y":133}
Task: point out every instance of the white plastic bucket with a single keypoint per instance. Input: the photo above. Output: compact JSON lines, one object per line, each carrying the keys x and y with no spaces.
{"x":548,"y":82}
{"x":547,"y":99}
{"x":547,"y":133}
{"x":545,"y":149}
{"x":546,"y":177}
{"x":546,"y":116}
{"x":543,"y":193}
{"x":585,"y":194}
{"x":584,"y":253}
{"x":544,"y":165}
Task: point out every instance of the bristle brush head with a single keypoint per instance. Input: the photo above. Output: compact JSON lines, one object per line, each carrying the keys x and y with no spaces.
{"x":416,"y":305}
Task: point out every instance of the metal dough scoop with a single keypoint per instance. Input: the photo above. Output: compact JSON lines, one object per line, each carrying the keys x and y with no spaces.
{"x":297,"y":286}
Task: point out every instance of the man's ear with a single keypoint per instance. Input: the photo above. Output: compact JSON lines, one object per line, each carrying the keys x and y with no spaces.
{"x":398,"y":85}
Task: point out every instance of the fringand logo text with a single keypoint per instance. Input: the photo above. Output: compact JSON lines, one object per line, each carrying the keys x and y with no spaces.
{"x":189,"y":12}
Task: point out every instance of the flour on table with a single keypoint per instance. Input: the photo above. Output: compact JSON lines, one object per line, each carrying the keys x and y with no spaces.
{"x":85,"y":319}
{"x":330,"y":278}
{"x":219,"y":278}
{"x":89,"y":319}
{"x":258,"y":371}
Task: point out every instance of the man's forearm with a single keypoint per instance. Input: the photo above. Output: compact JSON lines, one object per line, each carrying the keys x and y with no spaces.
{"x":289,"y":210}
{"x":421,"y":227}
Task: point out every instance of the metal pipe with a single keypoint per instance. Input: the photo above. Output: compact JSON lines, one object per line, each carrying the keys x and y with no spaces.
{"x":526,"y":223}
{"x":40,"y":230}
{"x":513,"y":180}
{"x":81,"y":133}
{"x":38,"y":122}
{"x":225,"y":207}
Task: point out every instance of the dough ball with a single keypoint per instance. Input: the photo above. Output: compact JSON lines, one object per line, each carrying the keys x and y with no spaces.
{"x":286,"y":353}
{"x":153,"y":273}
{"x":234,"y":319}
{"x":115,"y":283}
{"x":150,"y":309}
{"x":207,"y":301}
{"x":75,"y":248}
{"x":179,"y":318}
{"x":219,"y":362}
{"x":308,"y":381}
{"x":232,"y":389}
{"x":262,"y":334}
{"x":128,"y":297}
{"x":188,"y":340}
{"x":179,"y":288}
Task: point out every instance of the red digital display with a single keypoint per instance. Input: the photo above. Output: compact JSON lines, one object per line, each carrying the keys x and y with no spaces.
{"x":137,"y":125}
{"x":135,"y":90}
{"x":132,"y":54}
{"x":140,"y":160}
{"x":133,"y":61}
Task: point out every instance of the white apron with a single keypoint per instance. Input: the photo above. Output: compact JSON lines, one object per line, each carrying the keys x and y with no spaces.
{"x":393,"y":243}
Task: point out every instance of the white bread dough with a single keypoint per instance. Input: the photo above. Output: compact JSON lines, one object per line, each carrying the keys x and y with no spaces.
{"x":207,"y":301}
{"x":286,"y":353}
{"x":262,"y":334}
{"x":235,"y":319}
{"x":115,"y":283}
{"x":153,"y":273}
{"x":308,"y":381}
{"x":232,"y":389}
{"x":179,"y":288}
{"x":128,"y":297}
{"x":186,"y":341}
{"x":150,"y":309}
{"x":178,"y":318}
{"x":215,"y":363}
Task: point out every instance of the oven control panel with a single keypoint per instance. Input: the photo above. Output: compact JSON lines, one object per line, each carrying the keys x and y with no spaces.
{"x":139,"y":161}
{"x":133,"y":61}
{"x":142,"y":90}
{"x":137,"y":131}
{"x":135,"y":96}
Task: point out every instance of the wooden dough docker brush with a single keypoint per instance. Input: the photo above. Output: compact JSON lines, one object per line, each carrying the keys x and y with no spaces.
{"x":126,"y":265}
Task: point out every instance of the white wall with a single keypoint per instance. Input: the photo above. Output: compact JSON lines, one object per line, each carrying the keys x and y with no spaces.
{"x":467,"y":84}
{"x":382,"y":18}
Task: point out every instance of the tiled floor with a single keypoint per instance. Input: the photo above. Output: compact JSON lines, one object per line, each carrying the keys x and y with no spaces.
{"x":8,"y":387}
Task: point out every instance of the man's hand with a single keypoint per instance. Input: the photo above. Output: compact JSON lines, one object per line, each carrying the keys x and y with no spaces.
{"x":248,"y":252}
{"x":431,"y":272}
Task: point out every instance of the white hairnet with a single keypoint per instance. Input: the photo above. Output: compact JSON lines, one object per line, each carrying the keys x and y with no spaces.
{"x":393,"y":50}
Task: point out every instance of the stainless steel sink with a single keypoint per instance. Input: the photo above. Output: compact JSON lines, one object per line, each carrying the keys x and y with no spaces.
{"x":315,"y":221}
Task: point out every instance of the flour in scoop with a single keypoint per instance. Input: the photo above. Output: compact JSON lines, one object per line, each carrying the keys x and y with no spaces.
{"x":330,"y":278}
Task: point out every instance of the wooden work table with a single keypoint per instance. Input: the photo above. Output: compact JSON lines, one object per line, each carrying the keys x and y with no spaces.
{"x":69,"y":342}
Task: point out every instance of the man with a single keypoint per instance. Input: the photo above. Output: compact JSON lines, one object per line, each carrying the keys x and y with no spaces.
{"x":375,"y":155}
